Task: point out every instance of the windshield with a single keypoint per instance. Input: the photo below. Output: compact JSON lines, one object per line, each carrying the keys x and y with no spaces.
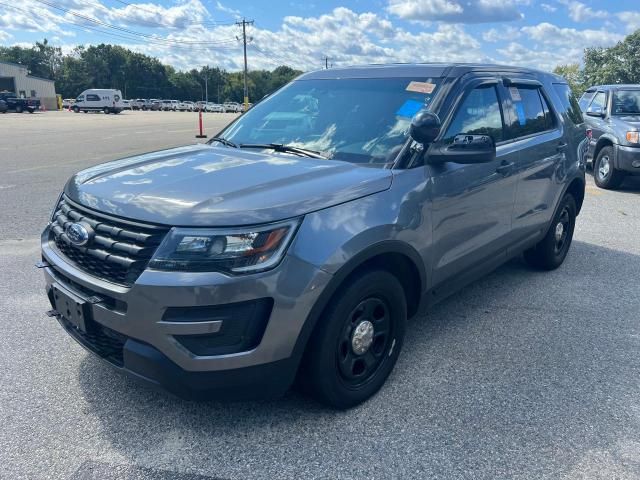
{"x":626,"y":102}
{"x":363,"y":120}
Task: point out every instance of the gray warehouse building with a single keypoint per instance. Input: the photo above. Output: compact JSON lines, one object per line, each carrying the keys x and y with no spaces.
{"x":16,"y":78}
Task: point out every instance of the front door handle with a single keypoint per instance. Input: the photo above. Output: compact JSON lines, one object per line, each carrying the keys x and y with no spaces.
{"x":561,"y":146}
{"x":504,"y":168}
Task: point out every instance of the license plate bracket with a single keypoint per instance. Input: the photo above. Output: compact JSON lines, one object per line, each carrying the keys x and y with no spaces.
{"x":73,"y":308}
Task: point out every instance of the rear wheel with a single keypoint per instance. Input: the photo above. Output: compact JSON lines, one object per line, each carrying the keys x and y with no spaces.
{"x":353,"y":350}
{"x":604,"y":172}
{"x":106,"y":110}
{"x":551,"y":251}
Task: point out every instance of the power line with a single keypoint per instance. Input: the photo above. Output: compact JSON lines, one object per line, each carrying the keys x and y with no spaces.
{"x":131,"y":32}
{"x":83,"y":27}
{"x":274,"y":58}
{"x":207,"y":23}
{"x":244,"y":24}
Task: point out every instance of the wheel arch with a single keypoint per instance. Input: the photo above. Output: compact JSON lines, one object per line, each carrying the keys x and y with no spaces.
{"x":397,"y":257}
{"x":603,"y":141}
{"x":577,"y":189}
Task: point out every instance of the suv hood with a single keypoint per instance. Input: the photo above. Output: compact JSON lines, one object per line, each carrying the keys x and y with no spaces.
{"x":219,"y":186}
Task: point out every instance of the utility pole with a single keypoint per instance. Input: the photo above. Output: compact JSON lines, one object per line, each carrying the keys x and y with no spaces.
{"x":326,"y":62}
{"x":244,"y":24}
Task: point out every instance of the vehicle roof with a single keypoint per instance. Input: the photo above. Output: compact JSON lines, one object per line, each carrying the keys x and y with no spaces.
{"x":101,"y":90}
{"x":630,"y":86}
{"x":421,"y":70}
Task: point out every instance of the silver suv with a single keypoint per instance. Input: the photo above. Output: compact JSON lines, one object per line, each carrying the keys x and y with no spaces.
{"x":297,"y":243}
{"x":613,"y":123}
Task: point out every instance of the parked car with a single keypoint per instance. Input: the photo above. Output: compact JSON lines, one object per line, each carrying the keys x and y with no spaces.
{"x":170,"y":105}
{"x":18,"y":104}
{"x":214,"y":107}
{"x":68,"y":103}
{"x":201,"y":105}
{"x":249,"y":105}
{"x":155,"y":104}
{"x":126,"y":105}
{"x":612,"y":114}
{"x":186,"y":106}
{"x":232,"y":107}
{"x":299,"y":247}
{"x":140,"y":104}
{"x":3,"y":106}
{"x":106,"y":100}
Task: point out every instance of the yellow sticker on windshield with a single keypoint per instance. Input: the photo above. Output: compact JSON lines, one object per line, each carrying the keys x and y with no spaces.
{"x":421,"y":87}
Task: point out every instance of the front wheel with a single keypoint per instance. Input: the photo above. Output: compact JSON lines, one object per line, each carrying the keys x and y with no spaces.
{"x":551,"y":251}
{"x":357,"y":342}
{"x":106,"y":110}
{"x":604,"y":172}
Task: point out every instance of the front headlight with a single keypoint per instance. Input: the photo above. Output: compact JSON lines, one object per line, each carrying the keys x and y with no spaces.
{"x":633,"y":137}
{"x":227,"y":250}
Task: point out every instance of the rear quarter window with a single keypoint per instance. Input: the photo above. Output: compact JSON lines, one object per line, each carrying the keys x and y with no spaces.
{"x":531,"y":110}
{"x":569,"y":103}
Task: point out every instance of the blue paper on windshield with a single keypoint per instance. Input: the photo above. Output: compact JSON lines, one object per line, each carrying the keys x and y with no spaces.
{"x":520,"y":111}
{"x":409,"y":108}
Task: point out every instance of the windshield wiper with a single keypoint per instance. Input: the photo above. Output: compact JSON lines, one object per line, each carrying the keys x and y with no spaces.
{"x":279,"y":147}
{"x":223,"y":141}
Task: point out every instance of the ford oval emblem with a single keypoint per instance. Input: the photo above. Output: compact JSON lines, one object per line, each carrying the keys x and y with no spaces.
{"x":78,"y":234}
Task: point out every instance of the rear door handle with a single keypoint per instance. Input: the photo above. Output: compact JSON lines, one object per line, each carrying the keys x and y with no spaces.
{"x":504,"y":168}
{"x":561,"y":146}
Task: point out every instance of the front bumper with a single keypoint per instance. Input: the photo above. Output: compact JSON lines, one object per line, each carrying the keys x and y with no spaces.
{"x":136,"y":329}
{"x":627,"y":159}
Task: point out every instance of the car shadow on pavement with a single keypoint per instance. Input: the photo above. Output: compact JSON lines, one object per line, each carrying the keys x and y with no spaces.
{"x":523,"y":374}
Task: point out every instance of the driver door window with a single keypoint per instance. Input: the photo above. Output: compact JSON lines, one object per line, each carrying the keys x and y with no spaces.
{"x":479,"y":114}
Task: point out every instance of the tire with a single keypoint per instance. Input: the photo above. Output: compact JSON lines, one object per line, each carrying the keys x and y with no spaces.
{"x":605,"y":174}
{"x":551,"y":251}
{"x":76,"y":110}
{"x":18,"y":108}
{"x":106,"y":110}
{"x":30,"y":110}
{"x":335,"y":368}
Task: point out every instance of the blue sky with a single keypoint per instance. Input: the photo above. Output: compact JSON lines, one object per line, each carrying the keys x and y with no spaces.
{"x":190,"y":33}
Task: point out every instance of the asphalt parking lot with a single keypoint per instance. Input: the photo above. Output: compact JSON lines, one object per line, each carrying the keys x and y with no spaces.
{"x":522,"y":375}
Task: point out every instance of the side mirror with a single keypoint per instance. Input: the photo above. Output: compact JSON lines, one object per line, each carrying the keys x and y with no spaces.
{"x":465,"y":149}
{"x":596,"y":112}
{"x":425,"y":127}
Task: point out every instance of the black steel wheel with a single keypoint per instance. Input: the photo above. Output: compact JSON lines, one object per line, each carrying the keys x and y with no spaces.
{"x":365,"y":341}
{"x":356,"y":343}
{"x":551,"y":251}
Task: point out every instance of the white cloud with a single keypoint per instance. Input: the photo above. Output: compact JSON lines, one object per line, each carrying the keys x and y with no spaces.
{"x":229,"y":10}
{"x":552,"y":35}
{"x":496,"y":35}
{"x":579,"y":12}
{"x":548,"y":8}
{"x":4,"y":36}
{"x":154,"y":15}
{"x":631,"y":19}
{"x":456,"y":11}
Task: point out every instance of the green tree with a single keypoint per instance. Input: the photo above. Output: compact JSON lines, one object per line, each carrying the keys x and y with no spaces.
{"x":574,"y":77}
{"x":617,"y":64}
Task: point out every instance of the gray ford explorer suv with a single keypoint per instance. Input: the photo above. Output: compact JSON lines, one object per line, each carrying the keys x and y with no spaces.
{"x":296,"y":244}
{"x":613,"y":122}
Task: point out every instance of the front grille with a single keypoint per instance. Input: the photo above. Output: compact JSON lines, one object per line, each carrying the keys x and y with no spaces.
{"x":119,"y":250}
{"x":103,"y":341}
